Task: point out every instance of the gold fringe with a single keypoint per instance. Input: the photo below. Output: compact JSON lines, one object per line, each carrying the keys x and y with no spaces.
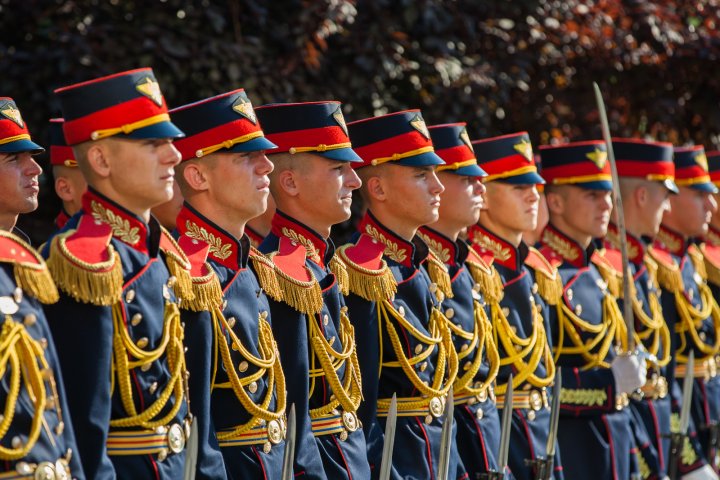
{"x":489,"y":280}
{"x":550,"y":288}
{"x":180,"y":269}
{"x":37,"y":282}
{"x":207,"y":292}
{"x":439,"y":275}
{"x":613,"y":279}
{"x":265,"y":273}
{"x":372,"y":287}
{"x":696,"y":257}
{"x":338,"y":268}
{"x":98,"y":284}
{"x":305,"y":297}
{"x":670,"y":278}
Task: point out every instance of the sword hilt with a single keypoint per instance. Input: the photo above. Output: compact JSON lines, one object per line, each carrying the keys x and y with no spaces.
{"x":491,"y":475}
{"x":542,"y":467}
{"x":676,"y":445}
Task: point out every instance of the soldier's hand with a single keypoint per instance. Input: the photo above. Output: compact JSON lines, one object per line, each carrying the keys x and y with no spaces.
{"x":704,"y":473}
{"x":630,"y":372}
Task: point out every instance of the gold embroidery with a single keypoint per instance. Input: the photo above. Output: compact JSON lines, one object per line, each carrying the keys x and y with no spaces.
{"x":613,"y":237}
{"x":583,"y":396}
{"x":443,"y":254}
{"x":499,"y":252}
{"x":392,"y":250}
{"x":120,"y":226}
{"x":217,"y":247}
{"x":598,"y":157}
{"x":669,"y":240}
{"x":701,"y":159}
{"x":560,"y":245}
{"x":525,"y":149}
{"x":312,"y":252}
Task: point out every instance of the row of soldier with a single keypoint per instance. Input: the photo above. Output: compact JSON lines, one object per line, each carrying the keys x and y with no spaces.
{"x":121,"y":337}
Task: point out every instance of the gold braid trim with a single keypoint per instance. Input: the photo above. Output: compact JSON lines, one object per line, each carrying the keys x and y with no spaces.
{"x":612,"y":278}
{"x":488,"y":278}
{"x":371,"y":285}
{"x":668,"y":276}
{"x":550,"y":285}
{"x":268,"y":364}
{"x":127,"y":356}
{"x":207,"y":292}
{"x":692,"y":318}
{"x":23,"y":357}
{"x":438,"y":273}
{"x":305,"y":297}
{"x":583,"y":396}
{"x":338,"y":268}
{"x":36,"y":281}
{"x":179,"y":266}
{"x":95,"y":283}
{"x":482,"y":338}
{"x":265,"y":273}
{"x":696,"y":257}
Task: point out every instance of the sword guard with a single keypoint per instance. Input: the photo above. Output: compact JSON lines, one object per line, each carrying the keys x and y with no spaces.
{"x":490,"y":476}
{"x":542,"y":468}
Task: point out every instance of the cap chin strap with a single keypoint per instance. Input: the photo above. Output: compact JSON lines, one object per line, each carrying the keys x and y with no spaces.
{"x":228,"y":143}
{"x":399,"y":156}
{"x":130,"y":127}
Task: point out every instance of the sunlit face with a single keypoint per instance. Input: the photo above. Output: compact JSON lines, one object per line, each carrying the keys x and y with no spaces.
{"x":510,"y":209}
{"x":715,"y":220}
{"x":413,"y":193}
{"x":325,"y":189}
{"x":583,"y":212}
{"x":19,"y":185}
{"x":166,"y":213}
{"x":690,"y":211}
{"x":657,"y":203}
{"x":462,"y":199}
{"x":142,"y":171}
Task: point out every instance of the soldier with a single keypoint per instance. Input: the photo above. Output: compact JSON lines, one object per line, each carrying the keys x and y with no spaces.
{"x":529,"y":284}
{"x":646,"y":172}
{"x":312,"y":185}
{"x":37,"y":439}
{"x":478,"y":424}
{"x":121,"y":275}
{"x":396,"y":293}
{"x":691,"y":312}
{"x":588,"y":330}
{"x":237,"y":387}
{"x":69,"y":181}
{"x":711,"y":246}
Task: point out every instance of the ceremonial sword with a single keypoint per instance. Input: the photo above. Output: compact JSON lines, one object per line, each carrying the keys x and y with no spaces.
{"x":446,"y":437}
{"x":389,"y":440}
{"x":288,"y":457}
{"x":503,"y":451}
{"x":677,"y":439}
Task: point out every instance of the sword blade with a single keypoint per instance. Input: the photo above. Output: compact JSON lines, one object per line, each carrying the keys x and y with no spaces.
{"x":446,"y":437}
{"x":617,"y":200}
{"x":191,"y":452}
{"x":505,"y":427}
{"x":554,"y":416}
{"x":289,"y":456}
{"x":687,"y":393}
{"x":389,"y":441}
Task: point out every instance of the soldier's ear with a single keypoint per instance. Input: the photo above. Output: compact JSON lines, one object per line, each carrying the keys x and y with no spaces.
{"x":555,"y":203}
{"x":64,"y":189}
{"x":98,"y":159}
{"x":376,"y":188}
{"x":194,"y":176}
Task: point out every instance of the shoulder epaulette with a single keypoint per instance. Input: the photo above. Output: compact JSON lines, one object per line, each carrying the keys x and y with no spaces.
{"x":553,"y":258}
{"x":546,"y":275}
{"x":486,"y":276}
{"x":609,"y":264}
{"x":85,"y":265}
{"x":696,"y":257}
{"x":300,"y":289}
{"x":439,"y":275}
{"x":207,"y":292}
{"x":178,"y":265}
{"x":368,"y":275}
{"x":339,"y":269}
{"x":711,"y":257}
{"x":668,"y":272}
{"x":29,"y":269}
{"x":265,"y":273}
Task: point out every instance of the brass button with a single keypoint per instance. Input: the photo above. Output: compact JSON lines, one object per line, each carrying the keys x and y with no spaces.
{"x":61,"y":472}
{"x":436,"y":407}
{"x":343,"y":435}
{"x":350,"y":421}
{"x":59,"y":428}
{"x":440,"y":296}
{"x":449,"y":313}
{"x":536,"y":400}
{"x":423,"y":366}
{"x":136,"y":319}
{"x":464,"y":347}
{"x":253,"y":387}
{"x":130,"y":296}
{"x":418,"y":348}
{"x":243,"y":366}
{"x":146,"y":366}
{"x":45,"y":471}
{"x":267,"y":447}
{"x":691,"y":294}
{"x":162,"y":455}
{"x":569,"y":294}
{"x":428,"y":419}
{"x":172,"y":280}
{"x":166,"y":292}
{"x":467,"y":366}
{"x":479,"y":414}
{"x":433,"y":287}
{"x":482,"y":396}
{"x":231,"y":322}
{"x":274,"y":432}
{"x":696,"y":276}
{"x":476,"y":287}
{"x":176,"y":438}
{"x":44,"y":343}
{"x":264,"y":314}
{"x":153,"y":388}
{"x":143,"y":342}
{"x":531,"y":415}
{"x":16,"y":442}
{"x":535,"y":287}
{"x":23,"y":468}
{"x":30,"y":319}
{"x":401,"y":310}
{"x":703,"y":336}
{"x":326,"y":319}
{"x":505,"y":311}
{"x":578,"y":309}
{"x":18,"y":295}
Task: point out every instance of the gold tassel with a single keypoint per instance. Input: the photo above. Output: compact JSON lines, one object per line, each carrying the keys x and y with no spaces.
{"x":550,"y":287}
{"x":439,"y":275}
{"x":36,"y":281}
{"x":697,"y":259}
{"x":207,"y":292}
{"x":338,"y":268}
{"x":371,"y":285}
{"x":670,"y":278}
{"x":489,"y":281}
{"x":98,"y":284}
{"x":180,"y":269}
{"x":612,"y":278}
{"x":305,"y":297}
{"x":265,"y":273}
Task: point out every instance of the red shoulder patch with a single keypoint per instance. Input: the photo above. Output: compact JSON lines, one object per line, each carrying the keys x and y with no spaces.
{"x":90,"y":240}
{"x":662,"y":257}
{"x":366,"y":253}
{"x":14,"y":250}
{"x":487,"y":258}
{"x":544,"y":260}
{"x":712,"y":254}
{"x":290,"y":259}
{"x":197,"y":252}
{"x":611,"y":259}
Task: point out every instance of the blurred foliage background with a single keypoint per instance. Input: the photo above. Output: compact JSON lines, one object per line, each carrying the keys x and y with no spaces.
{"x":501,"y":66}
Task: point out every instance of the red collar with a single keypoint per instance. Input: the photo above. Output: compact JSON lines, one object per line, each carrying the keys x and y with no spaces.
{"x":671,"y":241}
{"x":255,"y":238}
{"x":713,"y":236}
{"x":447,"y":251}
{"x":562,"y":246}
{"x":636,"y":247}
{"x":397,"y":249}
{"x":315,"y":245}
{"x":61,"y":219}
{"x":503,"y":252}
{"x":224,"y":247}
{"x":126,"y":226}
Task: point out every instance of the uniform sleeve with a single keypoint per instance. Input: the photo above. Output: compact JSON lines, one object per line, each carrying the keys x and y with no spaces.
{"x":83,"y":335}
{"x":199,"y":357}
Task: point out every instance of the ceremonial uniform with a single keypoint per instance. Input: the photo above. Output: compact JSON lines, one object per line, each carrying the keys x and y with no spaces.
{"x":62,"y":155}
{"x":396,"y":289}
{"x":311,"y":325}
{"x":117,"y":324}
{"x":595,"y":432}
{"x":691,"y":312}
{"x":37,"y":438}
{"x":652,"y":409}
{"x":519,"y":313}
{"x":711,"y":245}
{"x":237,"y":386}
{"x":478,"y":423}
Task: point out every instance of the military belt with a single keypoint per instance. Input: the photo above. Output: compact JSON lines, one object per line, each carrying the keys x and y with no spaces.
{"x":162,"y":441}
{"x":58,"y":470}
{"x":264,"y":433}
{"x":535,"y":399}
{"x":466,"y":398}
{"x":342,"y":423}
{"x":705,"y":369}
{"x":430,"y":407}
